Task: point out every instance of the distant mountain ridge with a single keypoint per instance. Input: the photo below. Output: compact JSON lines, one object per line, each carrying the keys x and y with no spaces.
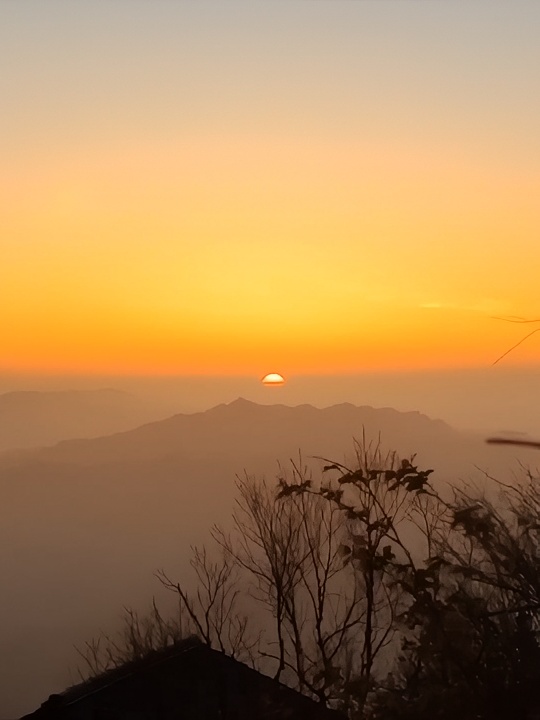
{"x":258,"y":427}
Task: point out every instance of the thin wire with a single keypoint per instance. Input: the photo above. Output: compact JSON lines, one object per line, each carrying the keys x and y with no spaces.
{"x":514,"y":319}
{"x":517,"y":344}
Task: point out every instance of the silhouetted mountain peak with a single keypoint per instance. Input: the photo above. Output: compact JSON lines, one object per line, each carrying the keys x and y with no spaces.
{"x":241,"y":402}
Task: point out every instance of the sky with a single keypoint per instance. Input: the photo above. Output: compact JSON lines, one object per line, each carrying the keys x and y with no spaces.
{"x":234,"y":188}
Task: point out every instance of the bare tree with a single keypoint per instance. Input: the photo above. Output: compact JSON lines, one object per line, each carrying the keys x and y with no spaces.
{"x":291,"y":546}
{"x":379,"y":515}
{"x":138,"y":636}
{"x":328,"y":559}
{"x":212,"y":610}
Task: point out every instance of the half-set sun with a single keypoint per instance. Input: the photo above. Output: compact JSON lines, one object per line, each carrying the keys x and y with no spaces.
{"x":273,"y":380}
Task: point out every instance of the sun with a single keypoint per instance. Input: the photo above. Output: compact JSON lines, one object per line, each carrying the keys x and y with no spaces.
{"x":273,"y":380}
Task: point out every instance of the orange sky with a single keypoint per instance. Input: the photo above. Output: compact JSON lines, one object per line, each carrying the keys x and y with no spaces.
{"x":322,"y":187}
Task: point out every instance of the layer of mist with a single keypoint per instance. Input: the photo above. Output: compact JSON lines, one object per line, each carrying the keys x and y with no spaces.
{"x":86,"y":522}
{"x":491,"y":399}
{"x":33,"y":418}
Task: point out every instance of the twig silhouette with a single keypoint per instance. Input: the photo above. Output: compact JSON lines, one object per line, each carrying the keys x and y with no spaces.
{"x":520,"y":321}
{"x":508,"y":441}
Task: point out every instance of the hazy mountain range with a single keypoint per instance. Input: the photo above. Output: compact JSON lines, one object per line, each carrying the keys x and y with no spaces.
{"x":85,"y":522}
{"x":30,"y":418}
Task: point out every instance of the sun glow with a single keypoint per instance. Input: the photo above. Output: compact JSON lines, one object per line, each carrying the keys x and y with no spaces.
{"x":260,"y":216}
{"x":273,"y":380}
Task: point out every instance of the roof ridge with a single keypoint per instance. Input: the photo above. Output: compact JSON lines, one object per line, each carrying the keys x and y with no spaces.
{"x":123,"y":671}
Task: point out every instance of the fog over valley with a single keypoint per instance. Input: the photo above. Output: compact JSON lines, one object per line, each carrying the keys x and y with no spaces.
{"x":86,"y":521}
{"x":485,"y":398}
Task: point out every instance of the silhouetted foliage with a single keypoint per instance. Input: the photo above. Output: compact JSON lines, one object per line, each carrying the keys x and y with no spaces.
{"x":377,"y":593}
{"x":473,"y":648}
